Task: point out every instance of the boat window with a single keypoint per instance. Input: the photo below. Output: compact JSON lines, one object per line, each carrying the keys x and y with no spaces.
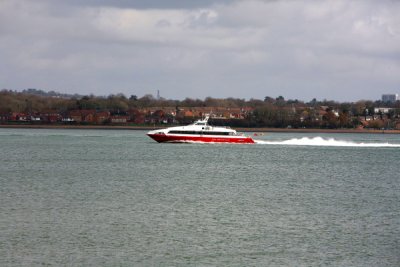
{"x":199,"y":132}
{"x":200,"y":123}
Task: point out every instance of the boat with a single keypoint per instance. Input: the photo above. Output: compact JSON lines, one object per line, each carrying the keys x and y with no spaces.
{"x":199,"y":132}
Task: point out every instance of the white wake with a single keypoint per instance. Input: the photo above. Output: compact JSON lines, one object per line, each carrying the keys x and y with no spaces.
{"x":319,"y":141}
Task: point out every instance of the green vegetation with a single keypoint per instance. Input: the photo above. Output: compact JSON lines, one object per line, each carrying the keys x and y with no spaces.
{"x":269,"y":112}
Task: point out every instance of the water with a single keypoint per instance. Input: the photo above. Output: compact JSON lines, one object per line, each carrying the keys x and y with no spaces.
{"x":117,"y":198}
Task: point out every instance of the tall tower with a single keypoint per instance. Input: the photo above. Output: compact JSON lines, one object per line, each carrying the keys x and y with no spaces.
{"x":158,"y":94}
{"x":390,"y":98}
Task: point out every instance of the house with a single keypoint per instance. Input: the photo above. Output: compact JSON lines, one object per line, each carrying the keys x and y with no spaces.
{"x":102,"y":117}
{"x":119,"y":119}
{"x":369,"y":118}
{"x":88,"y":116}
{"x":21,"y":117}
{"x":382,"y":110}
{"x":375,"y":117}
{"x":35,"y":117}
{"x":67,"y":120}
{"x":188,"y":113}
{"x":319,"y":114}
{"x":160,"y":116}
{"x":5,"y":116}
{"x":50,"y":116}
{"x":136,"y":116}
{"x":84,"y":115}
{"x":75,"y":115}
{"x":13,"y":116}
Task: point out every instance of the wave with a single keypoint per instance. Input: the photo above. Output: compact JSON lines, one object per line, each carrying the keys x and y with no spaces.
{"x":319,"y":141}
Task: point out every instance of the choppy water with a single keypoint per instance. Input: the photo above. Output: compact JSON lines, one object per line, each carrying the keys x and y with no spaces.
{"x":117,"y":198}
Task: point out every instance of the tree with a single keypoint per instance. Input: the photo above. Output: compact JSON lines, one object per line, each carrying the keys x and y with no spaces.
{"x":313,"y":102}
{"x":330,"y":120}
{"x":376,"y":124}
{"x":146,"y":101}
{"x":269,"y":99}
{"x":280,"y":101}
{"x":344,"y":120}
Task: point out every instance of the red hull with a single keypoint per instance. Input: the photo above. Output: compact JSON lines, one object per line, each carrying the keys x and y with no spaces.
{"x":161,"y":138}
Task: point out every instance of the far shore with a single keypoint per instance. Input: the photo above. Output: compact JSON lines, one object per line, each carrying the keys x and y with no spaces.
{"x":258,"y":130}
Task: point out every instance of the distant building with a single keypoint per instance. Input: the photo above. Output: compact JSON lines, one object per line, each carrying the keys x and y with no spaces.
{"x":382,"y":110}
{"x":122,"y":119}
{"x":390,"y":98}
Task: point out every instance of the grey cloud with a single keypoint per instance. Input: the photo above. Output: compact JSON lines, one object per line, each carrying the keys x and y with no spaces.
{"x":143,"y":4}
{"x":344,"y":50}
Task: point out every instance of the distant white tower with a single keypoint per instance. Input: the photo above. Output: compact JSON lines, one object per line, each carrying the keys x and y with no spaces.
{"x":158,"y":94}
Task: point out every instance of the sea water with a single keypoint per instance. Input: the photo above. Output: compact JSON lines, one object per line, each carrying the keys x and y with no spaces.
{"x":118,"y":198}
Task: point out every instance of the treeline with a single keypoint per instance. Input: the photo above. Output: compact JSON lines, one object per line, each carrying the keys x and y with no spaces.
{"x":26,"y":101}
{"x":32,"y":100}
{"x":267,"y":112}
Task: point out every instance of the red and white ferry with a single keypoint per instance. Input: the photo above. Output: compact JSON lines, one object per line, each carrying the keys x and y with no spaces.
{"x":199,"y":132}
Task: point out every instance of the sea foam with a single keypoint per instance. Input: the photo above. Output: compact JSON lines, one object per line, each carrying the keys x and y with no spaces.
{"x":319,"y":141}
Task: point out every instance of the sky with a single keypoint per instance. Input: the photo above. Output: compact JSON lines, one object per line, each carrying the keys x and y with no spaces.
{"x":342,"y":50}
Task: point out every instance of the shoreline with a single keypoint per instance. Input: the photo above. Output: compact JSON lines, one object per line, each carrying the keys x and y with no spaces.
{"x":239,"y":129}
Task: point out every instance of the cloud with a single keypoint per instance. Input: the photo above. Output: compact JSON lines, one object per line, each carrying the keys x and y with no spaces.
{"x":299,"y":49}
{"x":144,"y":4}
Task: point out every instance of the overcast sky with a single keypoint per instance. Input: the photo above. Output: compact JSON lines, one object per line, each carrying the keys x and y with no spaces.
{"x":338,"y":50}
